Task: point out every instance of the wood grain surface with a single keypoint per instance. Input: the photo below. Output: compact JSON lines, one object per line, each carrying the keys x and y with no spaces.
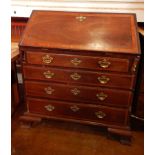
{"x":96,"y":32}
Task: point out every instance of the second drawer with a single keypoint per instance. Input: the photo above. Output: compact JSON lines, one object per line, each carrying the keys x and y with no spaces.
{"x":77,"y":76}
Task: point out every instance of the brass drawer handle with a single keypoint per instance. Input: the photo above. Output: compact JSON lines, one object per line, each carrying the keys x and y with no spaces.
{"x":103,"y":79}
{"x":100,"y":114}
{"x":80,"y":18}
{"x":75,"y":91}
{"x":74,"y":108}
{"x":48,"y":74}
{"x":135,"y":64}
{"x":49,"y":107}
{"x":47,"y":59}
{"x":134,"y":67}
{"x":101,"y":96}
{"x":75,"y":76}
{"x":104,"y":63}
{"x":76,"y":61}
{"x":49,"y":90}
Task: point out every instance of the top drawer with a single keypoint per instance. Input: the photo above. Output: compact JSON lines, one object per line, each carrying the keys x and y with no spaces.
{"x":78,"y":61}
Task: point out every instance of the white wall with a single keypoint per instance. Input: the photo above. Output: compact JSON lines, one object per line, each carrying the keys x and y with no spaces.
{"x":23,"y":8}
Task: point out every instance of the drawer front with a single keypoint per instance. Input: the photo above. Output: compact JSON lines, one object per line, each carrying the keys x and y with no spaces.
{"x":80,"y":77}
{"x":76,"y":61}
{"x":102,"y":96}
{"x":78,"y":111}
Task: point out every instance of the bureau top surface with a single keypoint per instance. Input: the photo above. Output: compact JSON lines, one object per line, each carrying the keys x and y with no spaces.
{"x":101,"y":32}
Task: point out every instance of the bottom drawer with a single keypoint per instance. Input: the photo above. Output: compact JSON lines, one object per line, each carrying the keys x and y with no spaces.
{"x":78,"y":111}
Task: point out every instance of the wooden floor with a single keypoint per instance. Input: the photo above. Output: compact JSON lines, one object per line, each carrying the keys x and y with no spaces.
{"x":62,"y":138}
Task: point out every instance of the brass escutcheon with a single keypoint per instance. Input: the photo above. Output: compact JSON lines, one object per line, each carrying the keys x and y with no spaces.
{"x":75,"y":76}
{"x":47,"y":59}
{"x":101,"y":96}
{"x":74,"y":108}
{"x":100,"y":114}
{"x":103,"y":79}
{"x":49,"y":107}
{"x":134,"y":67}
{"x":48,"y":74}
{"x":81,"y":18}
{"x":49,"y":90}
{"x":104,"y":63}
{"x":75,"y":91}
{"x":76,"y":61}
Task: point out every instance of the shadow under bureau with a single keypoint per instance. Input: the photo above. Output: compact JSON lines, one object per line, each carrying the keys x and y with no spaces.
{"x":80,"y":67}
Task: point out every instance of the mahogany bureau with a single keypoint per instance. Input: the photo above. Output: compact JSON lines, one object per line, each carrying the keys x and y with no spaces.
{"x":80,"y":67}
